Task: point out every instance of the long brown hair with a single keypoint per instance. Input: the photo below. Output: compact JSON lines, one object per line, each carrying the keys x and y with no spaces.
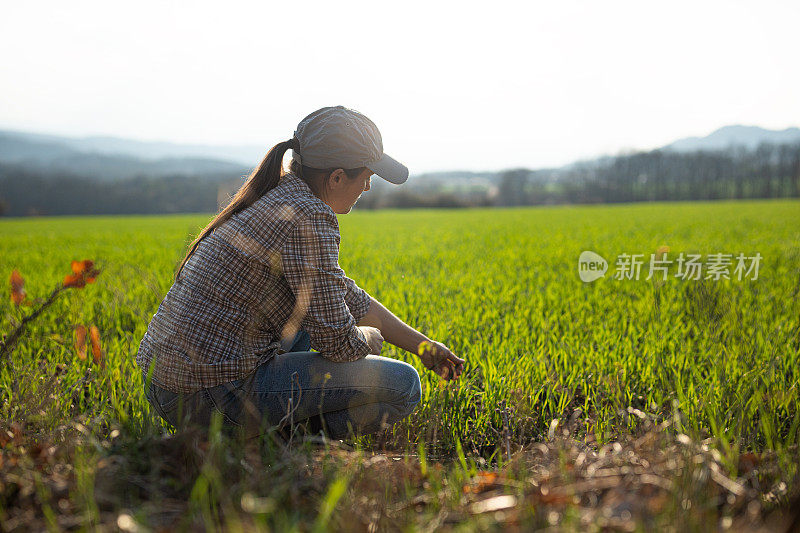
{"x":263,"y":179}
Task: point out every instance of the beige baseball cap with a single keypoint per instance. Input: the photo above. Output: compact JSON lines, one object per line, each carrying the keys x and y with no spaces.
{"x":338,"y":137}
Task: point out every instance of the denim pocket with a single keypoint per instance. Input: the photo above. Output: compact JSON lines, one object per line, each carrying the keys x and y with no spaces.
{"x":228,"y":400}
{"x":167,"y":399}
{"x":163,"y":401}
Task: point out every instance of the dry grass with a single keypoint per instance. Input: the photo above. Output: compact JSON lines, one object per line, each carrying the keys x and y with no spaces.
{"x":654,"y":478}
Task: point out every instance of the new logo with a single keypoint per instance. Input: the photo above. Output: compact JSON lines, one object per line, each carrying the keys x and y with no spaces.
{"x":591,"y":266}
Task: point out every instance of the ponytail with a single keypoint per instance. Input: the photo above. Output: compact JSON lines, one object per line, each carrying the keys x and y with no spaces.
{"x":264,"y":178}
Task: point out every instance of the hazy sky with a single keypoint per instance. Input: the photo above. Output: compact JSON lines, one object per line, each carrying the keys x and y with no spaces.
{"x":459,"y":85}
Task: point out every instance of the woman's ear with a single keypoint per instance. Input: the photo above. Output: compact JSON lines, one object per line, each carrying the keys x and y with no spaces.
{"x":337,"y":178}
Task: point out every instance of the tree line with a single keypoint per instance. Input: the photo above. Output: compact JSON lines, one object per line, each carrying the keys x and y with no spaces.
{"x":26,"y":192}
{"x":770,"y":171}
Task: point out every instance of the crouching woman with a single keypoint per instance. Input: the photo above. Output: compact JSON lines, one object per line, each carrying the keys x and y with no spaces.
{"x":261,"y":287}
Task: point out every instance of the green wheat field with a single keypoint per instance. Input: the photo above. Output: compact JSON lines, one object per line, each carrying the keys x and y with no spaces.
{"x":684,"y":393}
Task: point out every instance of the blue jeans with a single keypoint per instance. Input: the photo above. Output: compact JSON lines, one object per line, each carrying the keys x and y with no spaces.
{"x":301,"y":386}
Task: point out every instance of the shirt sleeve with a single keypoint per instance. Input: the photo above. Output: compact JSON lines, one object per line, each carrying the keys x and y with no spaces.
{"x":357,"y":299}
{"x":310,"y":261}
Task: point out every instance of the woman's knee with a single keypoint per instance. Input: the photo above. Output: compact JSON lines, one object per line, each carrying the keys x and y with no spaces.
{"x":392,"y":381}
{"x":410,"y":385}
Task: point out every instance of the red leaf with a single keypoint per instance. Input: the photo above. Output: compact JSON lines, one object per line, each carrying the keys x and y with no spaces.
{"x":80,"y":341}
{"x":96,"y":351}
{"x":76,"y":281}
{"x":17,"y":287}
{"x":83,"y":273}
{"x":79,"y":267}
{"x":483,"y":481}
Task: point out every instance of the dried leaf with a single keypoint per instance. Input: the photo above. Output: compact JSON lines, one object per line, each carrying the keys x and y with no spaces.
{"x":97,"y":353}
{"x":484,"y":481}
{"x":79,"y":267}
{"x":80,"y":341}
{"x":83,"y":273}
{"x":17,"y":287}
{"x":75,"y":281}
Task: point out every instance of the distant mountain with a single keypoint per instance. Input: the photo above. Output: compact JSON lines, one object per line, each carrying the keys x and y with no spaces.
{"x":248,"y":155}
{"x":54,"y":155}
{"x":735,"y":136}
{"x":114,"y":158}
{"x":15,"y":148}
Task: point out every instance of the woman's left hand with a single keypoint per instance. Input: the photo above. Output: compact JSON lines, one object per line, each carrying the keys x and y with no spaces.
{"x":438,"y":357}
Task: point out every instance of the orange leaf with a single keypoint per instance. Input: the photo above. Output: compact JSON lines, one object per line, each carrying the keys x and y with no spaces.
{"x":83,"y":273}
{"x":79,"y":267}
{"x":96,"y":351}
{"x":483,"y":481}
{"x":76,"y":281}
{"x":17,"y":287}
{"x":80,"y":341}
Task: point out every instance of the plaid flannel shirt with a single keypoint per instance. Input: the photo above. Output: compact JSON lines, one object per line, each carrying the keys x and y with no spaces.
{"x":268,"y":271}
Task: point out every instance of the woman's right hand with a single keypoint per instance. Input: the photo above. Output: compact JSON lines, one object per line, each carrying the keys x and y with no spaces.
{"x":374,"y":339}
{"x":438,"y":358}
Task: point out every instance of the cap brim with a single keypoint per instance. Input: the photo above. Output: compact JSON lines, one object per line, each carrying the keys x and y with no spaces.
{"x":390,"y":169}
